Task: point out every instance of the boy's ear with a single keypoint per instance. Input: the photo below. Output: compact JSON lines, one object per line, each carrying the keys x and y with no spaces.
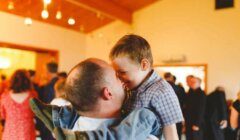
{"x":145,"y":64}
{"x":106,"y":94}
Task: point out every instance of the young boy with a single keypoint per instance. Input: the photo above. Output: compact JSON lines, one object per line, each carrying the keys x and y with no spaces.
{"x":132,"y":60}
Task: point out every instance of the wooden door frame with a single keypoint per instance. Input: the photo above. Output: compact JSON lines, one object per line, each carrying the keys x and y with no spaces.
{"x":189,"y":65}
{"x":55,"y":53}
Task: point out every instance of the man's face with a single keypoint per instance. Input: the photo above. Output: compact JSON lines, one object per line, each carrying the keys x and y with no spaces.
{"x":115,"y":86}
{"x":128,"y":71}
{"x":189,"y":81}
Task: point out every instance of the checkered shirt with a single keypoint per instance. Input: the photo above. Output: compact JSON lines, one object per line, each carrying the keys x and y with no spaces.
{"x":156,"y":94}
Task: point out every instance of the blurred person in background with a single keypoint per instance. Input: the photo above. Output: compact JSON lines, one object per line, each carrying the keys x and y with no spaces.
{"x":216,"y":114}
{"x":60,"y":99}
{"x":47,"y":91}
{"x":32,"y":74}
{"x":195,"y":109}
{"x":234,"y":117}
{"x":47,"y":94}
{"x":15,"y":109}
{"x":3,"y":84}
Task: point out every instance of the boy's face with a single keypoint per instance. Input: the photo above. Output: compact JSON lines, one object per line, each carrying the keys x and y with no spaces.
{"x":128,"y":71}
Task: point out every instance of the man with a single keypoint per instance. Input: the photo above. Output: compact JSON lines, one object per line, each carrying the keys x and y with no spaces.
{"x":47,"y":91}
{"x":97,"y":95}
{"x":195,"y":109}
{"x":47,"y":94}
{"x":216,"y":114}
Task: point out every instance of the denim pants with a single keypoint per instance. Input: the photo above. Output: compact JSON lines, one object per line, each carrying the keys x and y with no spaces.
{"x":138,"y":125}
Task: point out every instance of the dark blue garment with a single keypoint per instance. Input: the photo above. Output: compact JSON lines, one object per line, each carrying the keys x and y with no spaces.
{"x":47,"y":92}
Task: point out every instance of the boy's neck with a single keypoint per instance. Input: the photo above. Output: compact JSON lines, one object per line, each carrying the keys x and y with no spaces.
{"x":148,"y":74}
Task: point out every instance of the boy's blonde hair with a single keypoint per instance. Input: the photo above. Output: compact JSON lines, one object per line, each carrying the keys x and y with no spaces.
{"x":133,"y":46}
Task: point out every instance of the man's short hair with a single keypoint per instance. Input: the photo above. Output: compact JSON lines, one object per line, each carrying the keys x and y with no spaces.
{"x":133,"y":46}
{"x":83,"y":91}
{"x":52,"y":67}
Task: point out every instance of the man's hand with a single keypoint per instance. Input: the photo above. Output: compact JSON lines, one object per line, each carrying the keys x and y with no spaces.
{"x":223,"y":124}
{"x":170,"y":132}
{"x":195,"y":128}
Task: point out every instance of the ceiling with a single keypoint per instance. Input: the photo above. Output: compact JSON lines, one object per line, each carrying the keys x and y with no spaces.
{"x":88,"y":14}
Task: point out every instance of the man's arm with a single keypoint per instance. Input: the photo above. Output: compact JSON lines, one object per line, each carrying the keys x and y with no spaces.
{"x":138,"y":125}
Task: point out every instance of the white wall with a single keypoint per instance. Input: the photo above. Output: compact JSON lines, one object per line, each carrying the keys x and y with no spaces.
{"x":173,"y":27}
{"x":101,"y":41}
{"x":189,"y":27}
{"x":71,"y":44}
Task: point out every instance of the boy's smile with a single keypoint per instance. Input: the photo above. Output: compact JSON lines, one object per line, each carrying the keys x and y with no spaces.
{"x":129,"y":72}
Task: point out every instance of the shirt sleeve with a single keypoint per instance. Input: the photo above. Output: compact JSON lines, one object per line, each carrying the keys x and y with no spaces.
{"x":167,"y":107}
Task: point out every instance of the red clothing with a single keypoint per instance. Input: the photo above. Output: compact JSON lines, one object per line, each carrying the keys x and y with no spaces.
{"x":19,"y":124}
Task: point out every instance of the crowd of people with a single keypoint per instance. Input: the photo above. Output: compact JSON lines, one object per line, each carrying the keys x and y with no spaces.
{"x":124,"y":100}
{"x":18,"y":121}
{"x":207,"y":116}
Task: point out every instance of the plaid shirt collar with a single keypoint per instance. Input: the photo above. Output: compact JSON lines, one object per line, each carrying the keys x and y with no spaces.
{"x":151,"y":79}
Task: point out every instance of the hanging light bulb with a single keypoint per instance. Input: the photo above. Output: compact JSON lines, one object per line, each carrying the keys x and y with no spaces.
{"x":47,"y":1}
{"x":45,"y":14}
{"x":59,"y":15}
{"x":71,"y":21}
{"x":28,"y":21}
{"x":10,"y":5}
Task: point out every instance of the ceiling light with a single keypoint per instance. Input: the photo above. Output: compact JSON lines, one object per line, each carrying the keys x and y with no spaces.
{"x":71,"y":21}
{"x":10,"y":5}
{"x":47,"y":1}
{"x":59,"y":15}
{"x":28,"y":21}
{"x":45,"y":14}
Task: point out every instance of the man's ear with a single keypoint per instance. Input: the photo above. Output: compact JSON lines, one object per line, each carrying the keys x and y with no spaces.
{"x":106,"y":94}
{"x":145,"y":64}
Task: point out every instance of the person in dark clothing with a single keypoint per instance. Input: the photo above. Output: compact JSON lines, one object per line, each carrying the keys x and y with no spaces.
{"x":47,"y":91}
{"x":235,"y":118}
{"x":32,"y":75}
{"x":195,"y":109}
{"x":216,"y":115}
{"x":47,"y":94}
{"x":171,"y":79}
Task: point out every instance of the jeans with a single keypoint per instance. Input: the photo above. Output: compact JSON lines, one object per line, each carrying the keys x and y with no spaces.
{"x":138,"y":125}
